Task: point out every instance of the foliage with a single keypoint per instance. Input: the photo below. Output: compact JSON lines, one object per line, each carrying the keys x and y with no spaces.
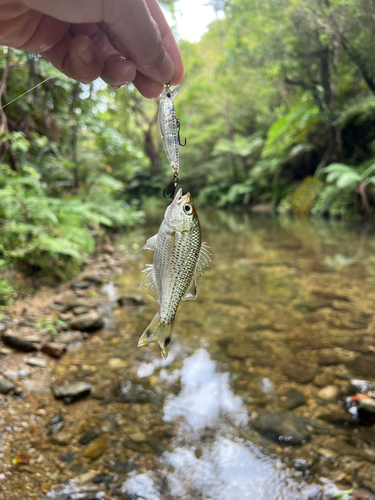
{"x":305,"y":195}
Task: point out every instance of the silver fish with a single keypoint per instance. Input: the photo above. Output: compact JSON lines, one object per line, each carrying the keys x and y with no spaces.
{"x":169,"y":126}
{"x":179,"y":260}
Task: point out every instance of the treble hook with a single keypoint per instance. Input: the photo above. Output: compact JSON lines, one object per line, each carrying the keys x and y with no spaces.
{"x":175,"y":182}
{"x":178,"y":132}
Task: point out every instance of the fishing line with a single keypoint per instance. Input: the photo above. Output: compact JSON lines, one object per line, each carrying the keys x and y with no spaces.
{"x":32,"y":88}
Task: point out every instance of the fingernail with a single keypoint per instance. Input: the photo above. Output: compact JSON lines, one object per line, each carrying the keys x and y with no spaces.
{"x":85,"y":52}
{"x":166,"y":69}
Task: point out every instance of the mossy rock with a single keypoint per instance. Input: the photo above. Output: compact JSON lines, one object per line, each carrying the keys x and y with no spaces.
{"x":304,"y":197}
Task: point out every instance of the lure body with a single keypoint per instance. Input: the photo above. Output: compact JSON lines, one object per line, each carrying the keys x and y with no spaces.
{"x":169,"y":126}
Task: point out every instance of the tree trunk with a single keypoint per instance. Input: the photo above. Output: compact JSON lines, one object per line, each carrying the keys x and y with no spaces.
{"x":365,"y":203}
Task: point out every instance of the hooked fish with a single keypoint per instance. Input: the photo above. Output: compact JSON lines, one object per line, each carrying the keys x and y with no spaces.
{"x":170,"y":126}
{"x":180,"y":258}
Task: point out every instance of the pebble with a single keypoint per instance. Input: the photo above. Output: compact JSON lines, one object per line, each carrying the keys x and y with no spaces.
{"x":54,"y":349}
{"x":294,"y":400}
{"x":116,"y":364}
{"x":90,"y":436}
{"x":135,"y":301}
{"x":329,"y":393}
{"x":96,"y":449}
{"x":4,"y":351}
{"x":42,"y":363}
{"x":138,"y":437}
{"x":72,"y":391}
{"x":86,"y":477}
{"x":69,"y":337}
{"x":6,"y":386}
{"x":80,"y":310}
{"x":62,"y":438}
{"x":156,"y":444}
{"x":87,"y":322}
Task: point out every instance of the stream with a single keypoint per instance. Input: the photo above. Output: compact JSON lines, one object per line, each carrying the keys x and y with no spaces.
{"x":258,"y":397}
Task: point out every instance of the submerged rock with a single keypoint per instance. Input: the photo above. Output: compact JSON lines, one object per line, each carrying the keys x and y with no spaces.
{"x":62,"y":438}
{"x":72,"y":391}
{"x":87,"y":322}
{"x":329,"y":393}
{"x":294,"y":400}
{"x":90,"y":436}
{"x":300,"y":374}
{"x":287,"y":427}
{"x":136,"y":393}
{"x":69,"y":337}
{"x":96,"y":449}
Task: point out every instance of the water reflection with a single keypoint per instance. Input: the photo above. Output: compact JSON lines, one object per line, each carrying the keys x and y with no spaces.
{"x":208,"y":458}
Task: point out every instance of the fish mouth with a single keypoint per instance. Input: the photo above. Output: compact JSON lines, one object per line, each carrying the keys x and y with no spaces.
{"x":180,"y":198}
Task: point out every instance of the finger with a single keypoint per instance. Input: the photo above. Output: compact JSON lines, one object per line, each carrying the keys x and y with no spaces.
{"x":83,"y":62}
{"x":147,"y":87}
{"x":168,"y":40}
{"x":132,"y":30}
{"x":118,"y":71}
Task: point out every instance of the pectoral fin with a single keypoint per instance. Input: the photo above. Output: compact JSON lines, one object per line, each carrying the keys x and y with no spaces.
{"x":151,"y":243}
{"x":203,"y":261}
{"x":148,"y":284}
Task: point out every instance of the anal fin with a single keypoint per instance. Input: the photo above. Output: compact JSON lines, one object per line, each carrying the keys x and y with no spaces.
{"x":191,"y":292}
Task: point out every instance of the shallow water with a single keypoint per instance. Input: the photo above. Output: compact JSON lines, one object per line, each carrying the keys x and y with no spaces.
{"x":252,"y":401}
{"x":287,"y":306}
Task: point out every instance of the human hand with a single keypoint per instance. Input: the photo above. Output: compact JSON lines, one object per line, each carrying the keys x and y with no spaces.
{"x":121,"y":41}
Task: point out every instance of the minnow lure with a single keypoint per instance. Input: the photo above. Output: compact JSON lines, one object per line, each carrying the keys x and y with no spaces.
{"x":170,"y":126}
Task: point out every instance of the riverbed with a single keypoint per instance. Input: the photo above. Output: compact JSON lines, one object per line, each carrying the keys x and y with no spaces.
{"x":257,"y":398}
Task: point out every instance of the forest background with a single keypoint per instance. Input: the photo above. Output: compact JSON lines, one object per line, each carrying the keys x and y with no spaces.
{"x":278,"y":107}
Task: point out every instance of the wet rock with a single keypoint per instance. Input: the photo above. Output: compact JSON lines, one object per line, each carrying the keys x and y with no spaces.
{"x":136,"y":393}
{"x":90,"y":436}
{"x":364,"y":366}
{"x":41,"y":363}
{"x":313,"y":305}
{"x":5,"y":351}
{"x":156,"y":444}
{"x":54,"y":349}
{"x":80,"y":310}
{"x":335,"y":414}
{"x":96,"y":449}
{"x":87,"y":322}
{"x":366,"y":476}
{"x":6,"y":385}
{"x":19,"y":344}
{"x":71,"y":391}
{"x":240,"y":351}
{"x":329,"y":393}
{"x":286,"y":427}
{"x":299,"y":374}
{"x":294,"y":400}
{"x":68,"y":306}
{"x":69,"y":337}
{"x":93,"y":279}
{"x":81,"y":285}
{"x":134,"y":301}
{"x":323,"y":294}
{"x":62,"y":438}
{"x":329,"y":359}
{"x":122,"y":467}
{"x":55,"y":428}
{"x":370,"y":454}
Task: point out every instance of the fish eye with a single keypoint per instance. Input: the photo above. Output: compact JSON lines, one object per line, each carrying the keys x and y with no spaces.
{"x":188,"y":209}
{"x":168,"y":94}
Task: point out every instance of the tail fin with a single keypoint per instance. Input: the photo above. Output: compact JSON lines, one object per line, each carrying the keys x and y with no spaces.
{"x":160,"y":333}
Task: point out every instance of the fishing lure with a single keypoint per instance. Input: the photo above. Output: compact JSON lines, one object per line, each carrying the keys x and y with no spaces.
{"x":170,"y":126}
